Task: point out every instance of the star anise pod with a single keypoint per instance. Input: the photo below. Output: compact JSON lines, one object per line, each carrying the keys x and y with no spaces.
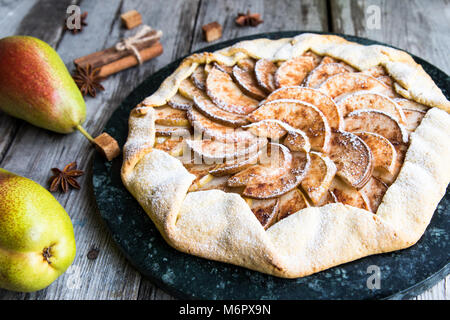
{"x":65,"y":178}
{"x":248,"y":19}
{"x":87,"y":80}
{"x":83,"y":23}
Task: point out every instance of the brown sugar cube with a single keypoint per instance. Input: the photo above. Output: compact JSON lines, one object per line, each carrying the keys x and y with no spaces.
{"x":131,"y":19}
{"x":107,"y":146}
{"x":212,"y":31}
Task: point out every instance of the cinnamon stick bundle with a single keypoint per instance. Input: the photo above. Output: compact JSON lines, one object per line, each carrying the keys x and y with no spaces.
{"x":111,"y":61}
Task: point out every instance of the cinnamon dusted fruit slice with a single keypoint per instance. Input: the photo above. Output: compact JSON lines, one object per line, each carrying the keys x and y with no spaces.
{"x":327,"y":198}
{"x":377,"y":122}
{"x":216,"y":130}
{"x":410,"y":105}
{"x":300,"y":115}
{"x":204,"y":104}
{"x":219,"y":183}
{"x":292,"y":72}
{"x":170,"y":131}
{"x":188,"y":90}
{"x":173,"y":146}
{"x":246,"y":64}
{"x":214,"y":149}
{"x":318,"y":99}
{"x":180,"y":102}
{"x":389,"y":177}
{"x":234,"y":166}
{"x":344,"y":83}
{"x":265,"y":74}
{"x":319,"y":177}
{"x":265,"y":211}
{"x":374,"y":192}
{"x":247,"y":80}
{"x":276,"y":175}
{"x":198,"y":77}
{"x":349,"y":195}
{"x":290,"y":203}
{"x":413,"y":118}
{"x":171,"y":117}
{"x":377,"y":71}
{"x":369,"y":100}
{"x":383,"y":151}
{"x":201,"y":172}
{"x":352,"y":157}
{"x":323,"y":72}
{"x":268,"y":128}
{"x":295,"y":140}
{"x":222,"y":90}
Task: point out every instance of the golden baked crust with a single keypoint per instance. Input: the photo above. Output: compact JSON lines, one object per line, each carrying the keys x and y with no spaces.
{"x":220,"y":226}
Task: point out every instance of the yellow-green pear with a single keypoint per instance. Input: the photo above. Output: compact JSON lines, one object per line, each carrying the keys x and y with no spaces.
{"x":37,"y":242}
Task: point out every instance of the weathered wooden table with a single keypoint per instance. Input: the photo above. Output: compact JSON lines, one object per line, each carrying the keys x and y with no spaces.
{"x":420,"y":27}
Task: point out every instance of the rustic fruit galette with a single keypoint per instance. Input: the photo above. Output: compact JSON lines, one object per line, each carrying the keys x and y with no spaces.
{"x":291,"y":156}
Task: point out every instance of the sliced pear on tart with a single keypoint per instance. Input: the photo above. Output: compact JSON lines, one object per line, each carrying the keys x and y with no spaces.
{"x":171,"y":117}
{"x":319,"y":177}
{"x":276,"y":163}
{"x":375,"y":72}
{"x":265,"y":74}
{"x":261,"y":188}
{"x":318,"y":99}
{"x":198,"y":77}
{"x":219,"y":183}
{"x":349,"y":195}
{"x":410,"y":105}
{"x":370,"y":100}
{"x":387,"y":80}
{"x":266,"y":211}
{"x":290,"y":203}
{"x":234,"y":166}
{"x":328,"y":59}
{"x":172,"y":131}
{"x":180,"y":102}
{"x":204,"y":104}
{"x":292,"y":72}
{"x":378,"y":122}
{"x":247,"y":81}
{"x":269,"y":128}
{"x":222,"y":67}
{"x":300,"y":115}
{"x":383,"y":151}
{"x":216,"y":130}
{"x":174,"y":146}
{"x":187,"y":89}
{"x":413,"y":118}
{"x":222,"y":90}
{"x":214,"y":149}
{"x":280,"y":173}
{"x":297,"y":140}
{"x":322,"y":72}
{"x":327,"y":198}
{"x":374,"y":192}
{"x":246,"y":63}
{"x":352,"y":157}
{"x":345,"y":83}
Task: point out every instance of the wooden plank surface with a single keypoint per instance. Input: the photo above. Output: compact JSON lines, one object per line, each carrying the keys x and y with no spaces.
{"x":110,"y":276}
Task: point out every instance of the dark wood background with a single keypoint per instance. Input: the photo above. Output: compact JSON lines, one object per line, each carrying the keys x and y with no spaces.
{"x":420,"y":27}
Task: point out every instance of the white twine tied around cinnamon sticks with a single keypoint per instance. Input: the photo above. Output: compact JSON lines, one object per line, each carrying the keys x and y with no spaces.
{"x":130,"y":42}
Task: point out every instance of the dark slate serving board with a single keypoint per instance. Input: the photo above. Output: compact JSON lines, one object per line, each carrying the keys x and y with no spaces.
{"x":404,"y":273}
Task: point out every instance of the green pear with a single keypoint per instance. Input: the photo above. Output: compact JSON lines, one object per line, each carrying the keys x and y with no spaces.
{"x":36,"y":86}
{"x":37,"y":242}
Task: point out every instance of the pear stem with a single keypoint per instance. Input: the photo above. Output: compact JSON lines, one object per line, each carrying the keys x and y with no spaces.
{"x":85,"y":133}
